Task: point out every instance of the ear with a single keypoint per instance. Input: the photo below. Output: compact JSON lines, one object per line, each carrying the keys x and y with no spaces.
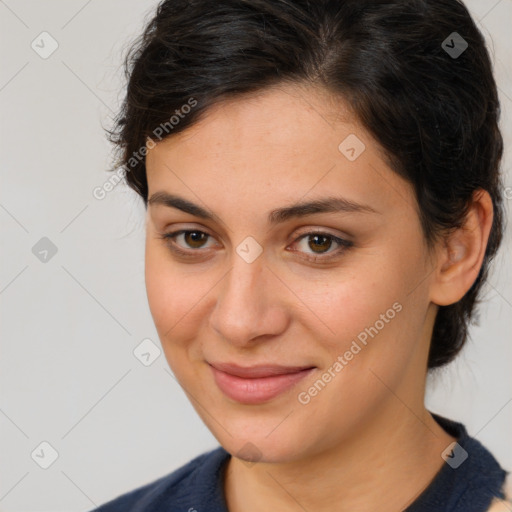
{"x":461,"y":253}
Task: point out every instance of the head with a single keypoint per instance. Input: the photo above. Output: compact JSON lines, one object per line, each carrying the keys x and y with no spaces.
{"x":239,"y":110}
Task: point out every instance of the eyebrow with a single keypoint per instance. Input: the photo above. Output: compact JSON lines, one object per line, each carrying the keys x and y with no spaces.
{"x":301,"y":209}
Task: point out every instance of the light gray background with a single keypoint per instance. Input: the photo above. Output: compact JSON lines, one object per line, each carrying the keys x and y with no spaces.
{"x":68,"y":375}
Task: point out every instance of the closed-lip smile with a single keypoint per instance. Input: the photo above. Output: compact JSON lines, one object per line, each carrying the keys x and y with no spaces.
{"x":258,"y":371}
{"x":256,"y":384}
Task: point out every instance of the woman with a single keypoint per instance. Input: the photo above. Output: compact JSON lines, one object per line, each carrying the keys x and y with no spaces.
{"x":323,"y":200}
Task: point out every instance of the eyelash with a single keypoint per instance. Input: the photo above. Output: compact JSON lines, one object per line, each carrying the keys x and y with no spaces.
{"x":169,"y":238}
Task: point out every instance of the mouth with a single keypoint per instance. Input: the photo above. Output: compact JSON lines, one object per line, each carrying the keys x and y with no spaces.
{"x":257,"y":384}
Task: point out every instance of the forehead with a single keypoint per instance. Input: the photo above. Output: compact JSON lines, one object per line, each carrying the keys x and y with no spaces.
{"x":280,"y":144}
{"x":281,"y":115}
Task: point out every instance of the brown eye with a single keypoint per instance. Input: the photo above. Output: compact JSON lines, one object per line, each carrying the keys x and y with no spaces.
{"x":186,"y":242}
{"x":195,"y":239}
{"x":318,"y":246}
{"x":320,"y":243}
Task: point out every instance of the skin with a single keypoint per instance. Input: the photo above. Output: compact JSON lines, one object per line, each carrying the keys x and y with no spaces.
{"x":365,"y":441}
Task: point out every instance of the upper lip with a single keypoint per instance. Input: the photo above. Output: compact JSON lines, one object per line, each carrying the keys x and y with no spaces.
{"x":257,"y":371}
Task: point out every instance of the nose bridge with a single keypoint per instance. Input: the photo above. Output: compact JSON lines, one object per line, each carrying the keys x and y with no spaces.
{"x":243,"y":289}
{"x":243,"y":307}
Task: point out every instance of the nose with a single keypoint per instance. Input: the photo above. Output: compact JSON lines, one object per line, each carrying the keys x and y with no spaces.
{"x":249,"y":304}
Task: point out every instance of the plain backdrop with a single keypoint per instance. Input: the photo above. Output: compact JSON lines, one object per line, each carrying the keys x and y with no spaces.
{"x":73,"y":302}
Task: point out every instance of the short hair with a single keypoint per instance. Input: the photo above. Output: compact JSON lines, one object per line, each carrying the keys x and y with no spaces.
{"x":416,"y":73}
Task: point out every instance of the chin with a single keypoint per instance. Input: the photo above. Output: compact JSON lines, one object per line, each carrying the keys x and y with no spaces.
{"x":263,"y":443}
{"x":262,"y":452}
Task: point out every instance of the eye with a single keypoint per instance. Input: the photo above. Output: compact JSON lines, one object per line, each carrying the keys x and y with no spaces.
{"x":320,"y":243}
{"x":192,"y":239}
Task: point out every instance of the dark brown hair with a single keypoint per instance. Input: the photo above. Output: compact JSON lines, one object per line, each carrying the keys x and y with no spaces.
{"x":416,"y":73}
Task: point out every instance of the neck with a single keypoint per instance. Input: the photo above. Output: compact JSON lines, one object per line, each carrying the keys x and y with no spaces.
{"x":385,"y":467}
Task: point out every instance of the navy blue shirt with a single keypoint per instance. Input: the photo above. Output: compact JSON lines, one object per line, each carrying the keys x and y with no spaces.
{"x":198,"y":486}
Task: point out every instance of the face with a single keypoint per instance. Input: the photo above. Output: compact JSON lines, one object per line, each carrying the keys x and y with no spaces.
{"x":243,"y":279}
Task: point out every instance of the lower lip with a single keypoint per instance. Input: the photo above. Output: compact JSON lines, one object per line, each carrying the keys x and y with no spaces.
{"x":259,"y":390}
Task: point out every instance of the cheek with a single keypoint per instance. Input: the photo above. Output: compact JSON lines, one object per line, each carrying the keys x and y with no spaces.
{"x":174,"y":299}
{"x":376,"y":310}
{"x":172,"y":295}
{"x":347,"y":303}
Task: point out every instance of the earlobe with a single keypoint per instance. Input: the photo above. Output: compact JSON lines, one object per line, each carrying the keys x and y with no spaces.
{"x":461,"y":253}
